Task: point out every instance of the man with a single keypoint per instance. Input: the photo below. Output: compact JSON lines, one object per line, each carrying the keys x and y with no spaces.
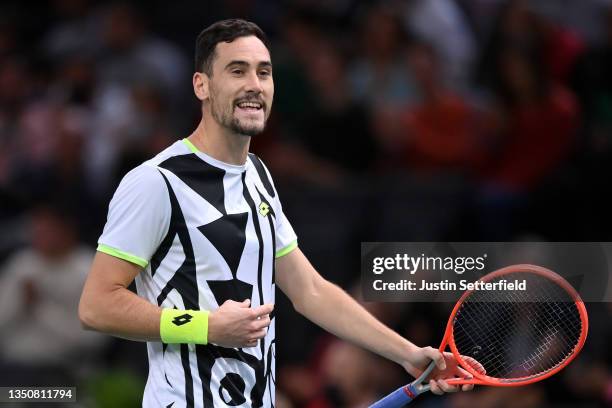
{"x":205,"y":222}
{"x":40,"y":284}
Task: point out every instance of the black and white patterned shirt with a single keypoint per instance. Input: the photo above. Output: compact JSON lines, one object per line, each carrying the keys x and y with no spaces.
{"x":204,"y":231}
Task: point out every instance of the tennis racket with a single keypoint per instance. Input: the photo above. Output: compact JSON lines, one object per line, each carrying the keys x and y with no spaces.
{"x":519,"y":337}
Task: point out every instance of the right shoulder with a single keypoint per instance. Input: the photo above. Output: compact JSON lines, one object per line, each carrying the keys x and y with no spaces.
{"x":143,"y":182}
{"x":148,"y":176}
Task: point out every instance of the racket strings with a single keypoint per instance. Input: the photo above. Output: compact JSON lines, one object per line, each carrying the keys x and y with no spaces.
{"x":518,"y":334}
{"x":533,"y":353}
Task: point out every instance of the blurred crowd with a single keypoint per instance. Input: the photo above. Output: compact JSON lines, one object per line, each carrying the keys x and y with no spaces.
{"x":398,"y":120}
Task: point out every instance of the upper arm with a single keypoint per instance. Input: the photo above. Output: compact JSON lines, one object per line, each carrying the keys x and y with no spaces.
{"x":296,"y":277}
{"x":107,"y":273}
{"x":138,"y":217}
{"x":111,"y":272}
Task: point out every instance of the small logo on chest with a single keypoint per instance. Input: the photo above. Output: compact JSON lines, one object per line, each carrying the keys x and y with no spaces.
{"x":264,"y":208}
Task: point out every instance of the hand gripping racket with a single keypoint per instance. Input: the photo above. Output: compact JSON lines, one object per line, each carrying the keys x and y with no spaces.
{"x":518,"y":336}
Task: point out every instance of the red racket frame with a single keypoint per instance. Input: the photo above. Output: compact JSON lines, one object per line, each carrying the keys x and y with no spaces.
{"x":483,"y":379}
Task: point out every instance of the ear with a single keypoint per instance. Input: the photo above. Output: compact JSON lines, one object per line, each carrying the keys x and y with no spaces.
{"x":200,"y":85}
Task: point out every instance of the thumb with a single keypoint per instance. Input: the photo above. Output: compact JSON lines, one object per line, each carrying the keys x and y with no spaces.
{"x":436,"y":356}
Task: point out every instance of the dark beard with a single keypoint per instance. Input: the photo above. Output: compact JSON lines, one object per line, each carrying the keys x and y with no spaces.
{"x":236,"y":127}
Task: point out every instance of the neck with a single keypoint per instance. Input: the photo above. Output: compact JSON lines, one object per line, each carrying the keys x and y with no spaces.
{"x":220,"y":143}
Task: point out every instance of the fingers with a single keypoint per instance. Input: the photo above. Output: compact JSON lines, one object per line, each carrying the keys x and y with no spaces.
{"x":434,"y":388}
{"x":259,"y":327}
{"x":452,"y":371}
{"x":259,"y":334}
{"x":464,"y":374}
{"x":243,"y":304}
{"x":255,"y":337}
{"x":439,"y":387}
{"x":262,"y":310}
{"x":261,"y":323}
{"x":238,"y":324}
{"x":474,"y":364}
{"x":436,"y":356}
{"x":446,"y":387}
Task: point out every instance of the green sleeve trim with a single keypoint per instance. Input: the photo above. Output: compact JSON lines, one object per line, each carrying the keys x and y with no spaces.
{"x":123,"y":255}
{"x":286,"y":250}
{"x":184,"y":326}
{"x":190,"y":146}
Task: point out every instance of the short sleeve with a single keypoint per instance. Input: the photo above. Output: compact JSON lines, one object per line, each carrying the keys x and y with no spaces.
{"x":286,"y":239}
{"x":138,"y":216}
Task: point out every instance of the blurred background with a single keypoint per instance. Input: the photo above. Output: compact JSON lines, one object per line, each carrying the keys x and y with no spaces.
{"x":414,"y":120}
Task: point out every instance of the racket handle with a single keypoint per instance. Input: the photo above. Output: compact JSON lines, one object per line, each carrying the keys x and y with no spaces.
{"x":398,"y":398}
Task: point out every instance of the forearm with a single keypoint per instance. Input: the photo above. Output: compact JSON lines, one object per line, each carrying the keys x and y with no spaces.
{"x":121,"y":313}
{"x":334,"y":310}
{"x":109,"y":307}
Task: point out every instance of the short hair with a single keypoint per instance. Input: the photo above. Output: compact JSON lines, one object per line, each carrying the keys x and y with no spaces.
{"x":222,"y":31}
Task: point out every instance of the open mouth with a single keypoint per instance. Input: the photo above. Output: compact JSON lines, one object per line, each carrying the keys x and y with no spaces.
{"x":249,"y":106}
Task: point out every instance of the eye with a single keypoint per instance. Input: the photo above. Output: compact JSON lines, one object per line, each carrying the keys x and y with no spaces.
{"x":237,"y":72}
{"x":265,"y":73}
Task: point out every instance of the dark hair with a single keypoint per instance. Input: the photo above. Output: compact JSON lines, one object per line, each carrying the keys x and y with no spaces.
{"x":222,"y":31}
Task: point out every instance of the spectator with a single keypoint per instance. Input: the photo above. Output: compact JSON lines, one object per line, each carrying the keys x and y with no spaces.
{"x":443,"y":24}
{"x":444,"y":132}
{"x":541,"y":119}
{"x":377,"y":76}
{"x":41,"y":339}
{"x":336,"y":129}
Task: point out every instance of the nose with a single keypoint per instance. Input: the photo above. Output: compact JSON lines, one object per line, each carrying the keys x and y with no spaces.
{"x":253,"y":84}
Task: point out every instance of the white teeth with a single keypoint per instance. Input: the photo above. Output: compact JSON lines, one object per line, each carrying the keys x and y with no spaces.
{"x":249,"y":105}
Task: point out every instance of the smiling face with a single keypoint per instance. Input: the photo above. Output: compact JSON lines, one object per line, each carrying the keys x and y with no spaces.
{"x":239,"y":92}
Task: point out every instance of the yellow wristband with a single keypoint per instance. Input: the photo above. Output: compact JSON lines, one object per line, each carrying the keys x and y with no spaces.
{"x":184,"y":326}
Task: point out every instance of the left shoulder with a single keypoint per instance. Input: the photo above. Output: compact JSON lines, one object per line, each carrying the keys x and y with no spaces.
{"x":263,"y":174}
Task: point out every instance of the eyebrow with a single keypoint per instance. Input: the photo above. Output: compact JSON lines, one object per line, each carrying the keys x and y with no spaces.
{"x":263,"y":64}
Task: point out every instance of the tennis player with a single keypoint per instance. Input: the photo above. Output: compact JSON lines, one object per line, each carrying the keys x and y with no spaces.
{"x":201,"y":229}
